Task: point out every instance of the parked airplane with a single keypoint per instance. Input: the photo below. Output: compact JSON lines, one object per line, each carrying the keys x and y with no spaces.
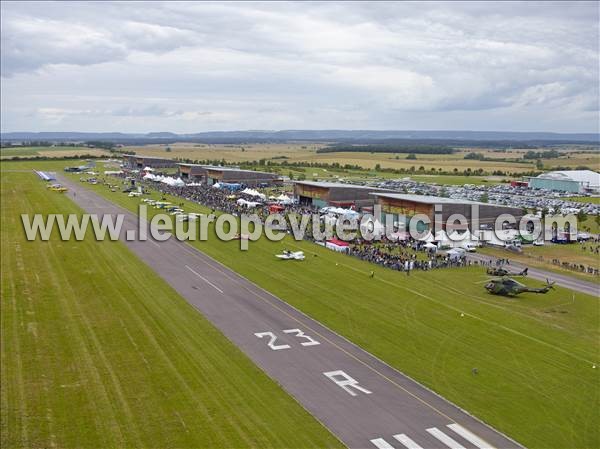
{"x":291,"y":255}
{"x":57,"y":188}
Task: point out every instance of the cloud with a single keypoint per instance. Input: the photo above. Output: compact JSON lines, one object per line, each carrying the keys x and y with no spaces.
{"x":290,"y":65}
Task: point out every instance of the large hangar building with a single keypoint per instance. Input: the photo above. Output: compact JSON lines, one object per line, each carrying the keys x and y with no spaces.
{"x":210,"y":174}
{"x":138,"y":162}
{"x":322,"y":194}
{"x":404,"y":207}
{"x":575,"y":181}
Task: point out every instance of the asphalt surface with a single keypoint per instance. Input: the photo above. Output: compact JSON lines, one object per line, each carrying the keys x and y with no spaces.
{"x":360,"y":399}
{"x":561,"y":279}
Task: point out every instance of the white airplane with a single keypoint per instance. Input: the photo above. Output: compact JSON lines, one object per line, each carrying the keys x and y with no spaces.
{"x":291,"y":255}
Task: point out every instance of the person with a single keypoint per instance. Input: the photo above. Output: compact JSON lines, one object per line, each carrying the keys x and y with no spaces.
{"x":372,"y":274}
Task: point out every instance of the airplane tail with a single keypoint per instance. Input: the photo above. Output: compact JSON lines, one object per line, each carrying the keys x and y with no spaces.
{"x":524,"y":272}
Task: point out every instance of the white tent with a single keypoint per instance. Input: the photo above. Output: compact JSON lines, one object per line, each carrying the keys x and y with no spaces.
{"x":428,"y":238}
{"x":499,"y":238}
{"x":243,"y":202}
{"x":429,"y":245}
{"x":377,"y":227}
{"x":255,"y":193}
{"x":284,"y":199}
{"x":216,"y":185}
{"x":148,"y":169}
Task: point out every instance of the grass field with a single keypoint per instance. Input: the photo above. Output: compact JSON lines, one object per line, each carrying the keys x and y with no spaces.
{"x":306,"y":152}
{"x":57,"y":152}
{"x":534,"y":353}
{"x":542,"y":256}
{"x":97,"y":351}
{"x":586,"y":199}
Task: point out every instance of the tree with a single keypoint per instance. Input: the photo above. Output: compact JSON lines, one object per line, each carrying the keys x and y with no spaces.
{"x":539,"y":165}
{"x":377,"y":167}
{"x":291,"y":175}
{"x":484,"y":198}
{"x":168,"y":149}
{"x":411,"y":156}
{"x":581,"y":216}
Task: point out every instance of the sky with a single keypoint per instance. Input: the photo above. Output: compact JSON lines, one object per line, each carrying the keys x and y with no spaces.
{"x":206,"y":66}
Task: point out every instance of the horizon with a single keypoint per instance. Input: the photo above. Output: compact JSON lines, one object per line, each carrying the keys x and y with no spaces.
{"x":349,"y":130}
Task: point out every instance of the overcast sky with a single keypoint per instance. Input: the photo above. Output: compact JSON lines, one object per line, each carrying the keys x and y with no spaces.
{"x":190,"y":67}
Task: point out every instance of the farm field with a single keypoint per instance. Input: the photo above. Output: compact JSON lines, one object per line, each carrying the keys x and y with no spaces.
{"x":98,"y":351}
{"x":51,"y":152}
{"x":306,"y":152}
{"x":534,"y":353}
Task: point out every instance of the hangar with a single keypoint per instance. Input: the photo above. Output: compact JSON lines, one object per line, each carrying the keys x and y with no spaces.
{"x":575,"y":181}
{"x":321,"y":194}
{"x":192,"y":172}
{"x":403,"y":207}
{"x":136,"y":161}
{"x":211,"y":174}
{"x":249,"y":178}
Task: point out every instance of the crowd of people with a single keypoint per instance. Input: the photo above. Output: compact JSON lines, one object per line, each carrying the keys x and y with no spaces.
{"x":406,"y":256}
{"x":403,"y":255}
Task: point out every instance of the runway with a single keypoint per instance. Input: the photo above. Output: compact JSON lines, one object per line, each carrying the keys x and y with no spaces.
{"x":563,"y":280}
{"x":360,"y":399}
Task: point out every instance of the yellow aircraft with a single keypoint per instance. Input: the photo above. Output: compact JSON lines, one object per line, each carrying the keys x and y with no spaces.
{"x":58,"y":188}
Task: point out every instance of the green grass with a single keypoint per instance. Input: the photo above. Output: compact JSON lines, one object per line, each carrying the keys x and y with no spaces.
{"x":534,"y":353}
{"x":589,"y":224}
{"x":542,"y":256}
{"x":586,"y":199}
{"x":98,"y":351}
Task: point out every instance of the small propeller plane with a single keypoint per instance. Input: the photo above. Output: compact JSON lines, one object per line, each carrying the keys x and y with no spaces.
{"x":509,"y":287}
{"x":504,"y":272}
{"x":291,"y":255}
{"x":58,"y":188}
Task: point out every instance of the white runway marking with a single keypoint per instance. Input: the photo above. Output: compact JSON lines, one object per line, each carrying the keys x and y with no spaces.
{"x":346,"y":382}
{"x":407,"y":442}
{"x":470,"y":436}
{"x":450,"y":442}
{"x":204,"y":279}
{"x":380,"y":443}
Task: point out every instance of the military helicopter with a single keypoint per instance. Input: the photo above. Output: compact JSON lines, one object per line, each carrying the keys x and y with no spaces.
{"x":509,"y":287}
{"x":499,"y":271}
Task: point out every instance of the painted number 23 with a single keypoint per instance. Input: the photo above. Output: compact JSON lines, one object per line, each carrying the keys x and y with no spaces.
{"x":296,"y":332}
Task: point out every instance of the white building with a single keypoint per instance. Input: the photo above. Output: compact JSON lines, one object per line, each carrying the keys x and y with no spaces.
{"x":576,"y":181}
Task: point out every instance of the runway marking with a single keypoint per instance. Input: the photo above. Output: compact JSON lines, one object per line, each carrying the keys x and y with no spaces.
{"x":407,"y":442}
{"x":311,"y":341}
{"x":204,"y":279}
{"x":347,"y":383}
{"x":202,"y":256}
{"x":380,"y":443}
{"x":469,"y":436}
{"x":448,"y":441}
{"x":271,"y":344}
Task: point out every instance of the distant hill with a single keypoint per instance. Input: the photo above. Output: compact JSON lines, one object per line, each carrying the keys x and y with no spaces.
{"x":457,"y":138}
